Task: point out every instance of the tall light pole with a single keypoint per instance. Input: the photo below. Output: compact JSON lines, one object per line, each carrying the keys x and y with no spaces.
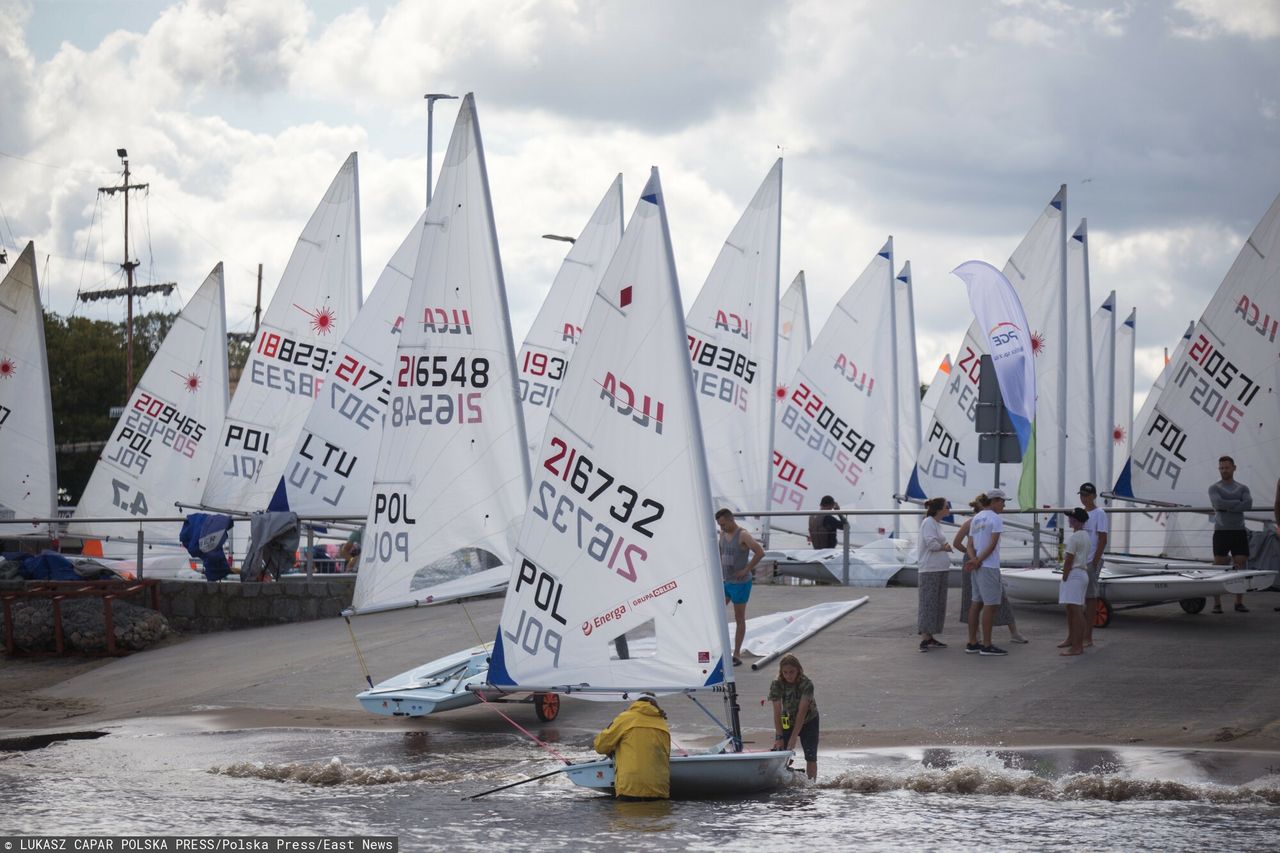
{"x":431,"y":106}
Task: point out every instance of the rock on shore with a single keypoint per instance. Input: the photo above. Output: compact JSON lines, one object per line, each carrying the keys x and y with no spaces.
{"x":84,"y":626}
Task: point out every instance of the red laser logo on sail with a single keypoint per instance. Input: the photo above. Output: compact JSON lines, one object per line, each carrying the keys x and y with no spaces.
{"x":190,"y":381}
{"x":7,"y":369}
{"x":322,"y":319}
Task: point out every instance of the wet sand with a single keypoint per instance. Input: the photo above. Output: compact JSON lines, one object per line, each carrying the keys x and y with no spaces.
{"x":1156,"y":677}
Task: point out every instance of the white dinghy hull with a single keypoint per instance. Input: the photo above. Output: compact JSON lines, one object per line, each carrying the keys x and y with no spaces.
{"x":1041,"y":585}
{"x":439,"y":685}
{"x":872,"y":565}
{"x":699,"y":776}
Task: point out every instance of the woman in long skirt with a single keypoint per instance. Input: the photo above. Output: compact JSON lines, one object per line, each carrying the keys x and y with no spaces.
{"x":1004,"y":613}
{"x":934,"y":561}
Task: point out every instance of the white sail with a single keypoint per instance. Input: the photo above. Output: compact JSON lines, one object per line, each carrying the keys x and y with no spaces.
{"x":1222,"y":396}
{"x":949,"y":464}
{"x":330,"y":471}
{"x":910,"y":426}
{"x":28,"y":487}
{"x":934,"y":392}
{"x":834,"y":435}
{"x":1122,"y":424}
{"x":1145,"y":532}
{"x":551,"y":339}
{"x":312,"y":309}
{"x":452,"y":469}
{"x":926,"y":459}
{"x":733,"y":349}
{"x":618,"y":538}
{"x":162,"y":446}
{"x":1085,"y":451}
{"x":1104,"y":382}
{"x":794,"y":339}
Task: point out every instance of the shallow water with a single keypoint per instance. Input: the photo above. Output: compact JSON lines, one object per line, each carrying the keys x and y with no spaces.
{"x":145,"y":779}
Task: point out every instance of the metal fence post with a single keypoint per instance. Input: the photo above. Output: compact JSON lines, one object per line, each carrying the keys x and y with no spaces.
{"x":311,"y":549}
{"x":846,"y":550}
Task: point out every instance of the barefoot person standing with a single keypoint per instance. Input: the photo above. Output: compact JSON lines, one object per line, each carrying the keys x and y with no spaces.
{"x":1075,"y":577}
{"x":735,"y":544}
{"x":1098,"y":530}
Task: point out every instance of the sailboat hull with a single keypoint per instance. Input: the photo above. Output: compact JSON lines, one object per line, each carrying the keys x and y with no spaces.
{"x":1041,"y":585}
{"x":700,"y":776}
{"x":440,"y":685}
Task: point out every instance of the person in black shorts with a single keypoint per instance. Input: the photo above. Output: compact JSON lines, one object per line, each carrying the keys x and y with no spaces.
{"x":795,"y":712}
{"x":1230,"y":501}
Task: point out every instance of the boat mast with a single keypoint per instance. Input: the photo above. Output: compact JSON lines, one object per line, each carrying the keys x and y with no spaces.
{"x":128,"y":266}
{"x":895,"y":415}
{"x":1091,"y":436}
{"x":1061,"y":496}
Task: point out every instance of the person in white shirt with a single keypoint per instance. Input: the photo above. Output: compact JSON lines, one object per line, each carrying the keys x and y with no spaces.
{"x":1098,"y":529}
{"x":984,"y":561}
{"x":1075,"y":578}
{"x":933,"y":556}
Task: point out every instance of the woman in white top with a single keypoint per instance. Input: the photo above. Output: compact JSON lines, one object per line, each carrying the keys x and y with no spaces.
{"x":1075,"y":577}
{"x":933,"y":556}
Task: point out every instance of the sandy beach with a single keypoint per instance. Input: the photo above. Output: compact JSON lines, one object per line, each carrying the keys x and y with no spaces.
{"x":1156,"y":677}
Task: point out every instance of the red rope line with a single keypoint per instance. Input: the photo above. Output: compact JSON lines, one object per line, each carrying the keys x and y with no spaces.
{"x":528,"y":733}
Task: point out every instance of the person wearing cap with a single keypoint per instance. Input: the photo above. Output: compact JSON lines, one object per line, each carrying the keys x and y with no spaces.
{"x":1098,"y":529}
{"x":1075,"y":578}
{"x":1004,"y":613}
{"x":1230,"y":500}
{"x":822,"y":528}
{"x":639,"y":741}
{"x":983,"y":549}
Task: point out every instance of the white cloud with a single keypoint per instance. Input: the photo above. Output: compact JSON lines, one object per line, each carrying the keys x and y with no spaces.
{"x":907,"y":119}
{"x":1253,"y":19}
{"x":1024,"y":31}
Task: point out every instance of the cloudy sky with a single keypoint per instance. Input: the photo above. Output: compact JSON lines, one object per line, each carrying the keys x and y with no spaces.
{"x":947,"y":125}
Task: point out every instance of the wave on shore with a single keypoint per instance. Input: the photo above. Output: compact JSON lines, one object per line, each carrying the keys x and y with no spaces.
{"x":329,"y":774}
{"x":1077,"y":786}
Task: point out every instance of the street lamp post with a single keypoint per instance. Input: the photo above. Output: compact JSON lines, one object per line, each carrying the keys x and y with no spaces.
{"x":431,"y":106}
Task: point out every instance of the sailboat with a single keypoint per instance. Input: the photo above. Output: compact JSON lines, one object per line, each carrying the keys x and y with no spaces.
{"x":733,"y":350}
{"x":836,"y":430}
{"x":330,"y":471}
{"x":453,"y":469}
{"x":1145,"y":532}
{"x":615,"y":584}
{"x":162,"y":446}
{"x":794,"y":339}
{"x":550,"y":342}
{"x":296,"y":345}
{"x":1222,"y":398}
{"x":29,"y":487}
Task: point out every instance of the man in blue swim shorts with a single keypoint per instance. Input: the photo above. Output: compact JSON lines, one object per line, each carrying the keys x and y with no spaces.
{"x":735,"y":545}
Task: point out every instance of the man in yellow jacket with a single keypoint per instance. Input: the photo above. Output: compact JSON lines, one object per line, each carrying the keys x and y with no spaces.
{"x":640,"y":743}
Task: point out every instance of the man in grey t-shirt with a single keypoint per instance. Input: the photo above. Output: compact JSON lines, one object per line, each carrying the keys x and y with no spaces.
{"x":1230,"y":500}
